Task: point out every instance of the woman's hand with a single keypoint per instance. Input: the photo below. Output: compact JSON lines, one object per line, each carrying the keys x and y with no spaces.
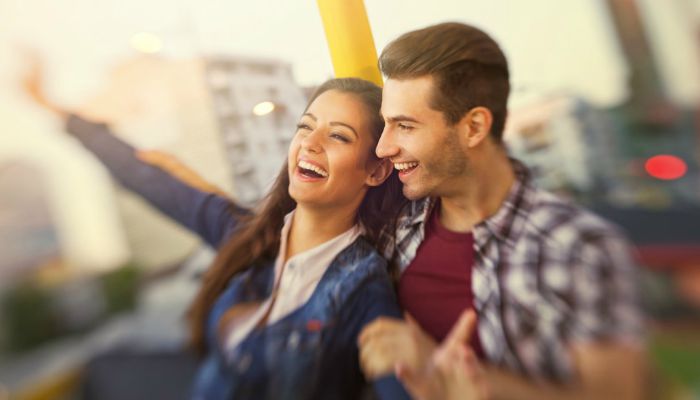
{"x":386,"y":342}
{"x":33,"y":85}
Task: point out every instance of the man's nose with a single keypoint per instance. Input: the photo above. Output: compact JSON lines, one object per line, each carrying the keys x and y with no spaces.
{"x":386,"y":147}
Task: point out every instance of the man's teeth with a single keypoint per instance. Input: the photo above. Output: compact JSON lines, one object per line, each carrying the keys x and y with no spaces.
{"x":405,"y":165}
{"x":311,"y":167}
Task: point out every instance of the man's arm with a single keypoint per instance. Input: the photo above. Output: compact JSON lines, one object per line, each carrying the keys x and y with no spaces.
{"x":604,"y":338}
{"x":605,"y":333}
{"x":604,"y":371}
{"x":614,"y":371}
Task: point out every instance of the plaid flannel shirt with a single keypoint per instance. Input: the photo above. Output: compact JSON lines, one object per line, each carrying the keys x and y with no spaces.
{"x":546,"y":274}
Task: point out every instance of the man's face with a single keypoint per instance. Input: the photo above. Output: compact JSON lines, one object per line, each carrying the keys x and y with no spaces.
{"x":427,"y":152}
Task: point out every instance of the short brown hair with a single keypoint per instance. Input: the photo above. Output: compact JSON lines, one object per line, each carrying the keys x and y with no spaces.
{"x":467,"y":65}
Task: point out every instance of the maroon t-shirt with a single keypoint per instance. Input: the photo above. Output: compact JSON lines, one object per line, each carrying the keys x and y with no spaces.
{"x":437,"y":285}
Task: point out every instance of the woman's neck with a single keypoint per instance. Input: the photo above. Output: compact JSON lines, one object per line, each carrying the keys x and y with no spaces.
{"x":311,"y":227}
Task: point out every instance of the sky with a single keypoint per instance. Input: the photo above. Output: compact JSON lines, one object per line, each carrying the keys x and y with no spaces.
{"x":553,"y":45}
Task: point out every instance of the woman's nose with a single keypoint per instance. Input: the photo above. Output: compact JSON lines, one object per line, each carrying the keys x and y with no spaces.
{"x":312,"y":141}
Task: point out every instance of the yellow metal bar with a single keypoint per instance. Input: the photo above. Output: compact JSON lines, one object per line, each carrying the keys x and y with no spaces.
{"x":350,"y":39}
{"x":62,"y":386}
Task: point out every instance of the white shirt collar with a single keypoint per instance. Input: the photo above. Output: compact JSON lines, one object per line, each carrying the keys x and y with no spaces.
{"x":295,"y":281}
{"x":310,"y":265}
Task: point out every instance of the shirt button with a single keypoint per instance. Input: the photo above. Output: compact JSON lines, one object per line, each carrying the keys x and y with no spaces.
{"x":244,"y":363}
{"x":293,"y":340}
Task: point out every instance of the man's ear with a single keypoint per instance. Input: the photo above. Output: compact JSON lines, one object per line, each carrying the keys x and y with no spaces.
{"x":380,"y":171}
{"x":476,"y":125}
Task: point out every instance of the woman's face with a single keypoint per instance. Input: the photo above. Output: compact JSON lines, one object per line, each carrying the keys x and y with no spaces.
{"x":330,"y":163}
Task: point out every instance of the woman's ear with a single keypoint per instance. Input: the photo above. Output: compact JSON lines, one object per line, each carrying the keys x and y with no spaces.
{"x":380,"y":171}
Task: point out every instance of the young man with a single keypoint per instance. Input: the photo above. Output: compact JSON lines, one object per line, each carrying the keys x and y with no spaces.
{"x":553,"y":286}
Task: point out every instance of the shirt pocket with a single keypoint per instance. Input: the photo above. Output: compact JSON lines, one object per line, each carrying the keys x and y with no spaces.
{"x":293,"y":358}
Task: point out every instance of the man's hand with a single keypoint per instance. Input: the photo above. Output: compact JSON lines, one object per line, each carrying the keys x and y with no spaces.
{"x":387,"y":341}
{"x":453,"y":372}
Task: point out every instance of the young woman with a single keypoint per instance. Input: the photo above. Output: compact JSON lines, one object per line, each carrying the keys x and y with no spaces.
{"x":293,"y":283}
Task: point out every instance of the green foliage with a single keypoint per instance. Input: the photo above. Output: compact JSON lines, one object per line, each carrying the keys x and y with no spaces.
{"x":677,"y":360}
{"x":28,"y":316}
{"x":120,"y":288}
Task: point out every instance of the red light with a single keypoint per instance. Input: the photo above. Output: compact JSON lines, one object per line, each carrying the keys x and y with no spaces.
{"x":666,"y":167}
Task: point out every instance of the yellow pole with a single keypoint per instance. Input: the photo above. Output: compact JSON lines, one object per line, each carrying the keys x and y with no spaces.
{"x":350,"y":39}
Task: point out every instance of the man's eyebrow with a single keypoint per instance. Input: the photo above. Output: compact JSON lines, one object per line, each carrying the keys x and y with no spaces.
{"x":401,"y":118}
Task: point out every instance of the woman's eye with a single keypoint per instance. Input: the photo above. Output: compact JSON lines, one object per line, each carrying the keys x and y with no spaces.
{"x":340,"y":137}
{"x":303,"y":126}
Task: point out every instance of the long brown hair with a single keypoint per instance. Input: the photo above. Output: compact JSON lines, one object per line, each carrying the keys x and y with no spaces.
{"x":259,"y":236}
{"x":467,"y":65}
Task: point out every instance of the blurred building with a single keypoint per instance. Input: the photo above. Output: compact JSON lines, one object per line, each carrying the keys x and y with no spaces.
{"x":229,"y":118}
{"x":603,"y":156}
{"x":27,"y":233}
{"x":568,"y":144}
{"x":257,"y":105}
{"x":164,"y":104}
{"x":660,"y":115}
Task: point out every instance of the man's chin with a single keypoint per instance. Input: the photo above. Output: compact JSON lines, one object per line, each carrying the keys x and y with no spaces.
{"x":412,"y":193}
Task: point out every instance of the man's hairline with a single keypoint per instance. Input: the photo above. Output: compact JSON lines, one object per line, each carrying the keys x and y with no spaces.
{"x":430,"y":102}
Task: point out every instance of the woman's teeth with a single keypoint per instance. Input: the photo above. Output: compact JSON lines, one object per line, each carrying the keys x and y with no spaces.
{"x":311,"y":167}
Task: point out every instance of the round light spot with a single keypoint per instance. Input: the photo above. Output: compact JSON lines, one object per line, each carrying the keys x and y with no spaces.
{"x":666,"y":167}
{"x":146,"y":42}
{"x":263,"y":108}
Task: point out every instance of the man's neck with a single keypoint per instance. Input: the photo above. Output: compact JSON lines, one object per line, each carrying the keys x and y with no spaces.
{"x":482,"y":195}
{"x":312,"y":227}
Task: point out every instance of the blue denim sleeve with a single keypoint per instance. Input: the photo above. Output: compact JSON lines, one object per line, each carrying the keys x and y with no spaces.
{"x":211,"y":216}
{"x":380,"y":300}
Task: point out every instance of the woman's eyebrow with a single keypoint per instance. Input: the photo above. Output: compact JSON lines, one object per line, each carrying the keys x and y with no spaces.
{"x":334,"y":123}
{"x":347,"y":126}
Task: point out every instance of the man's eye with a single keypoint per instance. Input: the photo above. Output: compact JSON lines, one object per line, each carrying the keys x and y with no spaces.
{"x":404,"y":127}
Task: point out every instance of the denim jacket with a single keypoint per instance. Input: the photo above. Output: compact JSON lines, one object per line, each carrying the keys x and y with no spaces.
{"x":311,"y":353}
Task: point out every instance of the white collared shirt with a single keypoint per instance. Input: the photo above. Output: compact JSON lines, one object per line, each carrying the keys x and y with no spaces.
{"x":295,"y":281}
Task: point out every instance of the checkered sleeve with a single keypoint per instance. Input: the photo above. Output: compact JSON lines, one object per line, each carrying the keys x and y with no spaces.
{"x":387,"y":239}
{"x":605,"y":291}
